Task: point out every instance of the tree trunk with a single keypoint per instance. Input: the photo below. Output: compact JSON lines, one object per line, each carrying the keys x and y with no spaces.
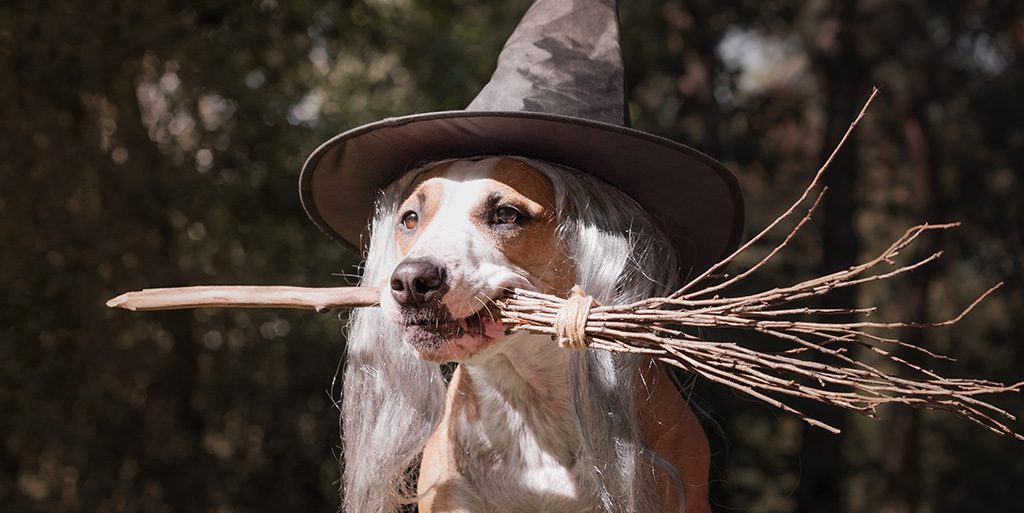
{"x":700,"y":67}
{"x":822,"y":464}
{"x":901,"y":490}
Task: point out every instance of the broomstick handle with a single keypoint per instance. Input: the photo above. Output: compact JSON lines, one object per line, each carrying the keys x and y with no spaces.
{"x":237,"y":296}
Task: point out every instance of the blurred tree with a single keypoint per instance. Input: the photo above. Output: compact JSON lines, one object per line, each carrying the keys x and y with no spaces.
{"x":158,"y":143}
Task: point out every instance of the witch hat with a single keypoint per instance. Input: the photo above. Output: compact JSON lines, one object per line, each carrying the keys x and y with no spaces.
{"x":558,"y":94}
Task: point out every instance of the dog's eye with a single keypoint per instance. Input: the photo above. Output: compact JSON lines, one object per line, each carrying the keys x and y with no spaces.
{"x":410,"y":219}
{"x":506,"y":215}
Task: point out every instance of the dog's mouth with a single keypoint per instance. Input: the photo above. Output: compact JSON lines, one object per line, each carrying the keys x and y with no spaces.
{"x":436,"y":335}
{"x":472,"y":325}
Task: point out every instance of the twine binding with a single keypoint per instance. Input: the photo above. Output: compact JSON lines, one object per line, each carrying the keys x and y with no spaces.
{"x":571,"y":321}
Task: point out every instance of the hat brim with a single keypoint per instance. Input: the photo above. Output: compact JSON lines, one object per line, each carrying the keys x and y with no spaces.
{"x":694,"y":198}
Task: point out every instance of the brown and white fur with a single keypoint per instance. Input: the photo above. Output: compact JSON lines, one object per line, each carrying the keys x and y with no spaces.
{"x":523,"y":426}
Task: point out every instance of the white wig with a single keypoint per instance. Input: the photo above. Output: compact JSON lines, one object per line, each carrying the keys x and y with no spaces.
{"x":392,"y":401}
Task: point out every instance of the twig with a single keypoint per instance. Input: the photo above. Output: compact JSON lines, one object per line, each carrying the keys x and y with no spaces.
{"x":792,"y":208}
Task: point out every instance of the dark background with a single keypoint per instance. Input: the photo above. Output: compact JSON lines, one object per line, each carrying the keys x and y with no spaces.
{"x":158,"y":143}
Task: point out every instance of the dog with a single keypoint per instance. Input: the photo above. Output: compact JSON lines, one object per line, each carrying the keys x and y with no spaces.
{"x":522,"y":425}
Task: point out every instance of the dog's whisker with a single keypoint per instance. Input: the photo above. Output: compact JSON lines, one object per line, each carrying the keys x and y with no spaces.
{"x":485,"y":305}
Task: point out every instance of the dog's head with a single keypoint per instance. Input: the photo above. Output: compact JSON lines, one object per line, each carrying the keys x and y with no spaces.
{"x":468,"y":232}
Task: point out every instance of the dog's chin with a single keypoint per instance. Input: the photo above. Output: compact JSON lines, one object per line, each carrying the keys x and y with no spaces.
{"x":452,"y":340}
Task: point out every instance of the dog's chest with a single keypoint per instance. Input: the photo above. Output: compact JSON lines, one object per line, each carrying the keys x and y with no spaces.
{"x":515,"y":454}
{"x":512,"y":470}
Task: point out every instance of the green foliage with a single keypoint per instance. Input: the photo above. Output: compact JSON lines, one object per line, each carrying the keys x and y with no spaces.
{"x":152,"y":144}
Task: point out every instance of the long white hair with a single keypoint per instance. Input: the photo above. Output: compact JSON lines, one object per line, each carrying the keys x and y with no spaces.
{"x":392,"y":401}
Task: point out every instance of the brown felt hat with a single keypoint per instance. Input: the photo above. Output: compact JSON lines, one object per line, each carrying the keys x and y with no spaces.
{"x":558,"y":94}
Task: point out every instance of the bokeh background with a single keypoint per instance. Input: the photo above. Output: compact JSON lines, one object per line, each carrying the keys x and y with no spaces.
{"x":158,"y":143}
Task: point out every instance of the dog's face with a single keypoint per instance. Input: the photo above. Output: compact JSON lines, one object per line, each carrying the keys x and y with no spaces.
{"x":467,"y":233}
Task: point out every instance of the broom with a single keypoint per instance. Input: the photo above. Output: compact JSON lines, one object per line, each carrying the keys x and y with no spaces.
{"x":814,"y":362}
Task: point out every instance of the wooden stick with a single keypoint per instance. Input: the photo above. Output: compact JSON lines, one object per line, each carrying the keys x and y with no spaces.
{"x":233,"y":296}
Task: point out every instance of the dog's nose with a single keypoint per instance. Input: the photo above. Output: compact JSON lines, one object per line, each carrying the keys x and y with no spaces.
{"x":417,"y":282}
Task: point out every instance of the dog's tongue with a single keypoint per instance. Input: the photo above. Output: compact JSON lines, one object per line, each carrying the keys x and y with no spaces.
{"x":493,"y":328}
